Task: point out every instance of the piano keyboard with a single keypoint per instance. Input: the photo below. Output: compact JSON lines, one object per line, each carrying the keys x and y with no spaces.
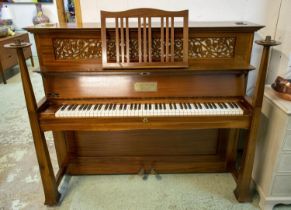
{"x":148,"y":109}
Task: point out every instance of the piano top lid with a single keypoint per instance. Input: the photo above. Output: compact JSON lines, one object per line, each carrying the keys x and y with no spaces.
{"x":203,"y":26}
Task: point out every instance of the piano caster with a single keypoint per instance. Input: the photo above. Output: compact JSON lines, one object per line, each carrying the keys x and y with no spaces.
{"x":143,"y":174}
{"x":155,"y":173}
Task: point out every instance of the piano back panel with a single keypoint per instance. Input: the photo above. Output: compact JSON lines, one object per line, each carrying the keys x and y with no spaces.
{"x":80,"y":49}
{"x":153,"y":85}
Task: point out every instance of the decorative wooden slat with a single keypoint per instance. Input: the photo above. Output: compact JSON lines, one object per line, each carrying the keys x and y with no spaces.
{"x":127,"y":41}
{"x":167,"y":39}
{"x":139,"y":41}
{"x":150,"y":38}
{"x":117,"y":39}
{"x":172,"y":40}
{"x":162,"y":40}
{"x":185,"y":39}
{"x":144,"y":40}
{"x":103,"y":38}
{"x":122,"y":40}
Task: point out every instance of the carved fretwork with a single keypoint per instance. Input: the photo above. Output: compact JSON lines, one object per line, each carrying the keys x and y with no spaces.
{"x":67,"y":49}
{"x":211,"y":47}
{"x":199,"y":47}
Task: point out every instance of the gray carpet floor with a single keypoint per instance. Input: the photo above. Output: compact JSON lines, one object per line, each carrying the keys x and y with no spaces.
{"x":20,"y":184}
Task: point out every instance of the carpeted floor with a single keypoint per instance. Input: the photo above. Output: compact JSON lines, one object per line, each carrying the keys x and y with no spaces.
{"x":20,"y":184}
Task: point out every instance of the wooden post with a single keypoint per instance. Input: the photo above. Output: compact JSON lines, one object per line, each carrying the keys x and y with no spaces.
{"x":46,"y":171}
{"x":61,"y":11}
{"x":243,"y":191}
{"x":78,"y":12}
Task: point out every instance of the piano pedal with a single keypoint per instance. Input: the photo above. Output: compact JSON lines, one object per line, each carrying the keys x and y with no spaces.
{"x":143,"y":174}
{"x":154,"y":172}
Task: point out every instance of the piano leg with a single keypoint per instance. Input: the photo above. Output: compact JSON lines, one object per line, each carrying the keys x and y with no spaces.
{"x":48,"y":178}
{"x":60,"y":140}
{"x":45,"y":166}
{"x":243,"y":189}
{"x":231,"y":150}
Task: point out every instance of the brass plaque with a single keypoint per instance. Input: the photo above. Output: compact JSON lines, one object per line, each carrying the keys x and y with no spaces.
{"x":146,"y":86}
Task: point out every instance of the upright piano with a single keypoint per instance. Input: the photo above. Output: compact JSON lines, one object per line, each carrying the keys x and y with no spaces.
{"x":156,"y":119}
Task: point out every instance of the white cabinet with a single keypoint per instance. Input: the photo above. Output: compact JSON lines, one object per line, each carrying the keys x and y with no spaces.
{"x":272,"y":168}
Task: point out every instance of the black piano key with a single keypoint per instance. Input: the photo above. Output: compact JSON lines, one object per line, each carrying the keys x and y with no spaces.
{"x":139,"y":106}
{"x":164,"y":106}
{"x":131,"y":106}
{"x":100,"y":107}
{"x":199,"y":105}
{"x":181,"y":106}
{"x":120,"y":106}
{"x":146,"y":106}
{"x":74,"y":107}
{"x":184,"y":106}
{"x":160,"y":106}
{"x":224,"y":105}
{"x":210,"y":105}
{"x":189,"y":106}
{"x":63,"y":107}
{"x":236,"y":106}
{"x":81,"y":107}
{"x":206,"y":106}
{"x":230,"y":104}
{"x":220,"y":106}
{"x":95,"y":107}
{"x":89,"y":106}
{"x":70,"y":107}
{"x":175,"y":107}
{"x":84,"y":107}
{"x":214,"y":106}
{"x":150,"y":106}
{"x":171,"y":106}
{"x":195,"y":105}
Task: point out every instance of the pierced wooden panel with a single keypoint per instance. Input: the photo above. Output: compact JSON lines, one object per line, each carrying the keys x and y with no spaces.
{"x":199,"y":48}
{"x":139,"y":48}
{"x":212,"y":47}
{"x":65,"y":49}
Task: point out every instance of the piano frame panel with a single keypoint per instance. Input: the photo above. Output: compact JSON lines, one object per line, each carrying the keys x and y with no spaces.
{"x":66,"y":57}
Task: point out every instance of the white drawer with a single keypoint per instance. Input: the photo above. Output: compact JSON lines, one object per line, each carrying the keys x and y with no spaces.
{"x":285,"y":163}
{"x":287,"y":141}
{"x":282,"y":186}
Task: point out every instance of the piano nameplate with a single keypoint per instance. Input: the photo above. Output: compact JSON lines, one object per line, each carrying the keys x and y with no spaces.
{"x":146,"y":86}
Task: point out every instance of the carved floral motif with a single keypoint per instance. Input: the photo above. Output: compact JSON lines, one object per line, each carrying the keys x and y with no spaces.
{"x":211,"y":47}
{"x":77,"y":48}
{"x":199,"y":47}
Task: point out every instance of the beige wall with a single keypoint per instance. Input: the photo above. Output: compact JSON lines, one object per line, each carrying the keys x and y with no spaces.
{"x":281,"y":56}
